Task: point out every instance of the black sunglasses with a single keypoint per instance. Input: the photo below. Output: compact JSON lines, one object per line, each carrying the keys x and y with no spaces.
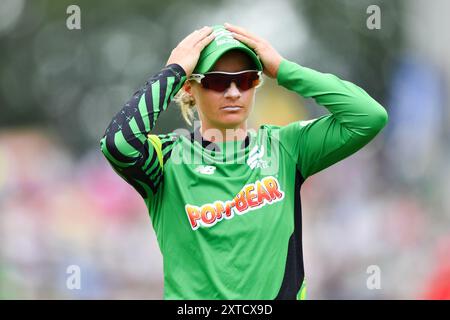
{"x":220,"y":81}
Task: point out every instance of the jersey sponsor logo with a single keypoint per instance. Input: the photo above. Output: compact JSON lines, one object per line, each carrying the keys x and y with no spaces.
{"x":251,"y":197}
{"x":205,"y":169}
{"x":255,"y":158}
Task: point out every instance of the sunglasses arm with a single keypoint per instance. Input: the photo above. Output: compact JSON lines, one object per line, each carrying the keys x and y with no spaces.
{"x":196,"y":77}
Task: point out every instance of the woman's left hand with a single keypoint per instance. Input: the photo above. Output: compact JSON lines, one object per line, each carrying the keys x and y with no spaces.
{"x":269,"y":57}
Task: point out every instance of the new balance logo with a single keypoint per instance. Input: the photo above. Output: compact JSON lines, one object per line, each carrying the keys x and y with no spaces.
{"x":205,"y":169}
{"x":255,"y":158}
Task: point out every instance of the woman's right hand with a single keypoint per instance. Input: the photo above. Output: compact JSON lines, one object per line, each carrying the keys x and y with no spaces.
{"x":187,"y":52}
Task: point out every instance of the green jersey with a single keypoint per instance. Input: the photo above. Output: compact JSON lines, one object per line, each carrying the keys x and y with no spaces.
{"x":227,"y":215}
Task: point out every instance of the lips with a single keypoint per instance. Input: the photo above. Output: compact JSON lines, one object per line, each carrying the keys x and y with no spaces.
{"x":231,"y":108}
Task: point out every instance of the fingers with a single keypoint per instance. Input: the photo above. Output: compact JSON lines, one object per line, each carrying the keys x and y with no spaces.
{"x":248,"y":41}
{"x":203,"y":35}
{"x":197,"y":35}
{"x":202,"y":32}
{"x":241,"y":31}
{"x":205,"y":41}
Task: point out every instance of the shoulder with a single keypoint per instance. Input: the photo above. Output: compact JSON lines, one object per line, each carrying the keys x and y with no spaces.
{"x":163,"y":145}
{"x":295,"y":125}
{"x":288,"y":136}
{"x":290,"y":130}
{"x":279,"y":132}
{"x":164,"y":138}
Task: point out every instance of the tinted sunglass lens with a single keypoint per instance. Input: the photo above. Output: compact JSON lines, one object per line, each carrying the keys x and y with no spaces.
{"x":220,"y":81}
{"x":215,"y":82}
{"x":247,"y":80}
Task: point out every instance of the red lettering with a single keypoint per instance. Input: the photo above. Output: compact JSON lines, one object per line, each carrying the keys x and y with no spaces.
{"x":251,"y":196}
{"x":272,"y":187}
{"x":208,"y":214}
{"x":241,"y":202}
{"x":262,"y":193}
{"x":193,"y":215}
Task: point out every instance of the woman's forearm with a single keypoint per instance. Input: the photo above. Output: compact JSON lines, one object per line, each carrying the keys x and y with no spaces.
{"x":125,"y":139}
{"x":348,"y":103}
{"x":355,"y":118}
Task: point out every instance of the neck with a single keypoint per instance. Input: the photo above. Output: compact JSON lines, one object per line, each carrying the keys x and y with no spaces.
{"x":219,"y":134}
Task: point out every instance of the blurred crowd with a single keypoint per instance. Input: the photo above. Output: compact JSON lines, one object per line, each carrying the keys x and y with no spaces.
{"x":386,"y":208}
{"x":58,"y":211}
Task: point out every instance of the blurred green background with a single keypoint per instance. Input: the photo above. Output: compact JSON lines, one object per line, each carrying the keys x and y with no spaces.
{"x":61,"y":204}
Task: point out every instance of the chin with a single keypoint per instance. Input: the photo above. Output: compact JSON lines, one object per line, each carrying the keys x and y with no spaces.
{"x":232,"y":121}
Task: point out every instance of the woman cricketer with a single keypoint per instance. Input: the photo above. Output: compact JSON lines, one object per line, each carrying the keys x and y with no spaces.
{"x":224,"y":200}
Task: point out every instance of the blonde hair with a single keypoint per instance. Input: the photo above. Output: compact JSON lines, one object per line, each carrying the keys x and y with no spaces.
{"x":187,"y":104}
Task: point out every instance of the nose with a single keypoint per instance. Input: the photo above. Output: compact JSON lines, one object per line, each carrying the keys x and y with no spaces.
{"x":232,"y":91}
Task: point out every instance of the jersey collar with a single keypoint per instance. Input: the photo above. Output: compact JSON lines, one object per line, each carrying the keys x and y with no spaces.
{"x":197,"y":136}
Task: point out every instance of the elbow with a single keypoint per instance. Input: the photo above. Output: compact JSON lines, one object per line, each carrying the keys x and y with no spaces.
{"x":103,"y":147}
{"x":374,"y":121}
{"x":107,"y":150}
{"x":375,"y":118}
{"x":379,"y":117}
{"x":106,"y":146}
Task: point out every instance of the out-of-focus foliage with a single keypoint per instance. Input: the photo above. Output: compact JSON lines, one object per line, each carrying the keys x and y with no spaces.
{"x":341,"y":43}
{"x":61,"y":204}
